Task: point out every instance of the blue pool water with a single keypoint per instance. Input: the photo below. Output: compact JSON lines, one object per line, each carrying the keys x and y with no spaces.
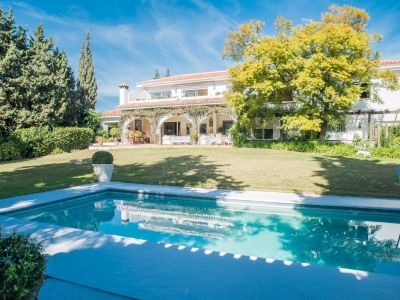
{"x":352,"y":239}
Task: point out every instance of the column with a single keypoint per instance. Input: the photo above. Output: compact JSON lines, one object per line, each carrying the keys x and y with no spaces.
{"x":214,"y":123}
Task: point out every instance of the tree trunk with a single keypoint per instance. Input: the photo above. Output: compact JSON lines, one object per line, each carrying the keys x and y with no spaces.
{"x":324,"y":130}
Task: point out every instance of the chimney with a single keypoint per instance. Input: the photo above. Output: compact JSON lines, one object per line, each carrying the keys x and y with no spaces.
{"x":123,"y":93}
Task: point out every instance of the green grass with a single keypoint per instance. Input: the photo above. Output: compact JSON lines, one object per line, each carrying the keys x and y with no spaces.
{"x":253,"y":169}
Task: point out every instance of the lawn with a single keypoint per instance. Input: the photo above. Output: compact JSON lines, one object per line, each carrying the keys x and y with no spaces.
{"x":254,"y":169}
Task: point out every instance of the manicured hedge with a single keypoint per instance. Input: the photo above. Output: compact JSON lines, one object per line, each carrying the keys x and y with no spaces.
{"x":10,"y":151}
{"x":340,"y":149}
{"x":36,"y":141}
{"x":72,"y":138}
{"x":22,"y":266}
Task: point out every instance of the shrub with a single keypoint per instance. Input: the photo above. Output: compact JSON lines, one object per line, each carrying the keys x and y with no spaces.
{"x":10,"y":151}
{"x":34,"y":141}
{"x":57,"y":151}
{"x":92,"y":120}
{"x":385,"y":152}
{"x":102,"y":157}
{"x":22,"y":265}
{"x":340,"y":149}
{"x":115,"y":133}
{"x":72,"y":138}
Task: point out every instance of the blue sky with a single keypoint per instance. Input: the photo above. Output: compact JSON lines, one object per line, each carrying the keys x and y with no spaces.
{"x":130,"y":39}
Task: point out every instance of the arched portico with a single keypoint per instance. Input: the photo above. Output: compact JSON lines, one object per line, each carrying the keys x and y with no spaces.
{"x":137,"y":123}
{"x":175,"y":128}
{"x":214,"y":128}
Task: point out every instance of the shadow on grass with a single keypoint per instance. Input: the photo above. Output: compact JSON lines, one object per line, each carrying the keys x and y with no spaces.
{"x":186,"y":170}
{"x":358,"y":177}
{"x":37,"y":178}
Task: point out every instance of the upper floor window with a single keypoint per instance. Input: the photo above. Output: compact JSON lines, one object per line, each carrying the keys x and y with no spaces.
{"x":365,"y":91}
{"x":195,"y":93}
{"x":160,"y":95}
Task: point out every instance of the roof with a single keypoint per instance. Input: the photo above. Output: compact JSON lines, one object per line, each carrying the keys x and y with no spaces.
{"x":390,"y":63}
{"x":173,"y":102}
{"x":112,"y":113}
{"x":184,"y":77}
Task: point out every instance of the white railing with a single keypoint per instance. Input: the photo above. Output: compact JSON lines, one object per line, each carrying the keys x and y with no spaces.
{"x":217,"y":139}
{"x":173,"y":139}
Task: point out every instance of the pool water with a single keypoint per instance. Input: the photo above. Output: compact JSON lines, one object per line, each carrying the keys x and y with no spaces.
{"x":352,"y":239}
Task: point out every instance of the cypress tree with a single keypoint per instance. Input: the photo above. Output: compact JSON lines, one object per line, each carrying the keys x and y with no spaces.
{"x":167,"y":74}
{"x":156,"y":74}
{"x":90,"y":79}
{"x":80,"y":86}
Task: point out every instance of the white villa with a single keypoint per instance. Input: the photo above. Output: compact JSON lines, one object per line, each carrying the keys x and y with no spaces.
{"x":175,"y":93}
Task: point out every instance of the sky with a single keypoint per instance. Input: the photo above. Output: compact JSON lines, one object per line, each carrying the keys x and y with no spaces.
{"x":130,"y":39}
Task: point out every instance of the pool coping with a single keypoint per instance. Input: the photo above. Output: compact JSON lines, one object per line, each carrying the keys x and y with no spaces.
{"x":222,"y":196}
{"x":67,"y":248}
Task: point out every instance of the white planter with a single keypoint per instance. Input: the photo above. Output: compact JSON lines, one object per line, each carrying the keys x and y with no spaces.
{"x":103,"y":172}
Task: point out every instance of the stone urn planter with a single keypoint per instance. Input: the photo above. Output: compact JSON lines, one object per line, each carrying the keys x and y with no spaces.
{"x":103,"y":167}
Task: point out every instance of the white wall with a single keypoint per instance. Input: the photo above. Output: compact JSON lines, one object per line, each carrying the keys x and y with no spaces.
{"x":214,"y":88}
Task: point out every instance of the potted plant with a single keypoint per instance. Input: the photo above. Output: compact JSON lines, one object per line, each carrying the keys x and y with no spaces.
{"x":103,"y":167}
{"x":100,"y":140}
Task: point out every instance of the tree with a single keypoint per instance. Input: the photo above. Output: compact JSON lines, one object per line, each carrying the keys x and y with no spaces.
{"x":90,"y":79}
{"x":156,"y":74}
{"x":80,"y":84}
{"x":46,"y":100}
{"x":13,"y":110}
{"x":65,"y":83}
{"x":12,"y":59}
{"x":86,"y":84}
{"x":167,"y":73}
{"x":321,"y":65}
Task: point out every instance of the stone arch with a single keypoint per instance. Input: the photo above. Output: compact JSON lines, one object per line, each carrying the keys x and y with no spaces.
{"x":124,"y":138}
{"x":170,"y":115}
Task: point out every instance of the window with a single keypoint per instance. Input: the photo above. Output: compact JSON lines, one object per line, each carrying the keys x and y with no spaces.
{"x":160,"y":95}
{"x":195,"y":93}
{"x":263,"y":133}
{"x":341,"y":127}
{"x":268,"y":134}
{"x":226,"y":126}
{"x":365,"y":91}
{"x":203,"y":128}
{"x":138,"y":125}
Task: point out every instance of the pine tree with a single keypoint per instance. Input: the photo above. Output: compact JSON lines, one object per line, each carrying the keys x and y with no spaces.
{"x":7,"y":30}
{"x":13,"y":110}
{"x":13,"y":46}
{"x":156,"y":74}
{"x":90,"y":80}
{"x":167,"y":74}
{"x":65,"y":89}
{"x":43,"y":91}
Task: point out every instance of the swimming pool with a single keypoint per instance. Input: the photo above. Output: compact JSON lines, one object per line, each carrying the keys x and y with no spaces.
{"x":363,"y":240}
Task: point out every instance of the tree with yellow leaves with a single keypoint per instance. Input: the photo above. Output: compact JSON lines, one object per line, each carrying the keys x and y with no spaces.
{"x":324,"y":66}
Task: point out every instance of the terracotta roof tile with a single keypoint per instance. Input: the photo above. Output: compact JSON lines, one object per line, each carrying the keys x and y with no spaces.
{"x":112,"y":113}
{"x":390,"y":63}
{"x":187,"y":77}
{"x":173,"y":102}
